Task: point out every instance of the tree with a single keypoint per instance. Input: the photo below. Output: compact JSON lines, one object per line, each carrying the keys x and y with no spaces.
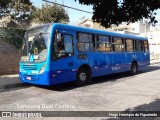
{"x":17,"y":9}
{"x":50,"y":13}
{"x":108,"y":12}
{"x":4,"y":3}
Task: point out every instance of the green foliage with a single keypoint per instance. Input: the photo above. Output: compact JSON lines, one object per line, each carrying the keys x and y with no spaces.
{"x":4,"y":3}
{"x":14,"y":36}
{"x":49,"y":14}
{"x":108,"y":12}
{"x":23,"y":13}
{"x":17,"y":9}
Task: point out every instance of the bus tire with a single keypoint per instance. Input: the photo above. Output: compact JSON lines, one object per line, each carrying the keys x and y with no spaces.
{"x":83,"y":76}
{"x":133,"y":69}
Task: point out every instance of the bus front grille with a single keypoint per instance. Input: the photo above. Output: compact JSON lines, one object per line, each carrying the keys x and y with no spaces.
{"x":30,"y":67}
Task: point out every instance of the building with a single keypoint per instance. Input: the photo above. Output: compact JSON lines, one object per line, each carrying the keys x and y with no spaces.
{"x":154,"y":43}
{"x":88,"y":23}
{"x":132,"y":28}
{"x":136,"y":28}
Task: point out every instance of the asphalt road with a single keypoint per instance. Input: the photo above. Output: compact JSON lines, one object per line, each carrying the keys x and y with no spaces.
{"x":118,"y":92}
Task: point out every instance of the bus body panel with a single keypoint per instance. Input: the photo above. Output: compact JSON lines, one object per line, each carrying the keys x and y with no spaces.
{"x":65,"y":69}
{"x":119,"y":62}
{"x":43,"y":79}
{"x":29,"y":72}
{"x":103,"y":65}
{"x":143,"y":59}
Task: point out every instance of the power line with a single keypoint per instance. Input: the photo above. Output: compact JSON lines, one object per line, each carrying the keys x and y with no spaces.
{"x":67,"y":6}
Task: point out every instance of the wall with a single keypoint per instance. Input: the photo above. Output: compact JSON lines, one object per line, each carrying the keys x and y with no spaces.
{"x":9,"y":58}
{"x":154,"y":44}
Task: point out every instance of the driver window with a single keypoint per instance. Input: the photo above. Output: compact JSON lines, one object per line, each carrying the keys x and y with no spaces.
{"x":68,"y":45}
{"x":65,"y":46}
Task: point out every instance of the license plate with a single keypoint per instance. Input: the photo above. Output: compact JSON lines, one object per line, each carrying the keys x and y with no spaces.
{"x":28,"y":78}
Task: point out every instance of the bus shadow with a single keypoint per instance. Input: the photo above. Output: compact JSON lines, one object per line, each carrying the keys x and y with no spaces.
{"x":149,"y":69}
{"x":11,"y":83}
{"x":11,"y":87}
{"x":98,"y":80}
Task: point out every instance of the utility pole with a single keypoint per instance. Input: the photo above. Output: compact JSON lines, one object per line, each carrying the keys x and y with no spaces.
{"x":146,"y":26}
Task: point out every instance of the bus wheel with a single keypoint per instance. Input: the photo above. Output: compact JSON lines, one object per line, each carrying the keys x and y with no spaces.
{"x":133,"y":69}
{"x":83,"y":76}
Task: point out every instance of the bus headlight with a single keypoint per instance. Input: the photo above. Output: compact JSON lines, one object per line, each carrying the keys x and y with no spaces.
{"x":42,"y":69}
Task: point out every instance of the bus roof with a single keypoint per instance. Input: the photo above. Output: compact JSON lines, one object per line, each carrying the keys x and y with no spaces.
{"x":89,"y":30}
{"x":94,"y":31}
{"x":39,"y":29}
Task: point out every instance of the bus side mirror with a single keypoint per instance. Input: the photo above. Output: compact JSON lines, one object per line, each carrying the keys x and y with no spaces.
{"x":58,"y":36}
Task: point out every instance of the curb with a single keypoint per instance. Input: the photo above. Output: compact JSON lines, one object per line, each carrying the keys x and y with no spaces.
{"x":9,"y":76}
{"x":154,"y":63}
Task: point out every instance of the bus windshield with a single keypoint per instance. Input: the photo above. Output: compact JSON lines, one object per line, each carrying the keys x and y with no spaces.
{"x":35,"y":44}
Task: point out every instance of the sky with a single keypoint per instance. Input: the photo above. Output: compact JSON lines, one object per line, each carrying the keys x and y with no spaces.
{"x":75,"y":16}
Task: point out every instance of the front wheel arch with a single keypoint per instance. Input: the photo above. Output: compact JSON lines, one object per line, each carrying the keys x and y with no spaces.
{"x":83,"y":69}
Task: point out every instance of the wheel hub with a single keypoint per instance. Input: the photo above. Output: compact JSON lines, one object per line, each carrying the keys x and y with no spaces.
{"x":82,"y":76}
{"x":134,"y":69}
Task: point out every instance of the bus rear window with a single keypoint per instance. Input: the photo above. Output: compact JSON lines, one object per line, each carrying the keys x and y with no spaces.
{"x":146,"y":47}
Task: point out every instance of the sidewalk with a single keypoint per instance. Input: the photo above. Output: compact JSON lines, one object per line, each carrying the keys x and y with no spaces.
{"x":9,"y":76}
{"x":9,"y":81}
{"x":155,"y":61}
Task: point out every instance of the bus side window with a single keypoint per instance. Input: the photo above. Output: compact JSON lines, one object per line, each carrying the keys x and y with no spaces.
{"x":86,"y":42}
{"x":118,"y":45}
{"x":129,"y":45}
{"x":139,"y":45}
{"x":146,"y":47}
{"x":103,"y":43}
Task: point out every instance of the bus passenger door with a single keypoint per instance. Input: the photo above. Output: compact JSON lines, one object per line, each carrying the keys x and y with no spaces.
{"x":142,"y":53}
{"x":118,"y":56}
{"x":62,"y":65}
{"x":103,"y":59}
{"x":119,"y":62}
{"x":105,"y":63}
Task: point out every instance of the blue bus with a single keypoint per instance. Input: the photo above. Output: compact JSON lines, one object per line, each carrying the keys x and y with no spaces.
{"x":58,"y":53}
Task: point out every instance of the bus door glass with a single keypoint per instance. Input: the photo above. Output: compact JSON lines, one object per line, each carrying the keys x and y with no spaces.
{"x":104,"y":54}
{"x":63,"y":55}
{"x":118,"y":56}
{"x":139,"y":51}
{"x":130,"y":50}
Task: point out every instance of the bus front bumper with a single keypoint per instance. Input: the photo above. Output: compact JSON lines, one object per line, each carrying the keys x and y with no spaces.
{"x":40,"y":79}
